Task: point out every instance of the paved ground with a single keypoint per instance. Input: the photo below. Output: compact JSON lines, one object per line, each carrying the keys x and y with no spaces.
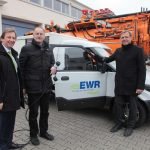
{"x":83,"y":130}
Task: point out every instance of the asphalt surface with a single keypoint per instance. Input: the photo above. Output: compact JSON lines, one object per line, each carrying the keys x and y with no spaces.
{"x":86,"y":129}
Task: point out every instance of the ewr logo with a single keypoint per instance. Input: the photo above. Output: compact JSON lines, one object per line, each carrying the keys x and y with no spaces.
{"x":89,"y":84}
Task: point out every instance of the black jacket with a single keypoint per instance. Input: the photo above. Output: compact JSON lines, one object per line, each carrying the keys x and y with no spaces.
{"x":10,"y":82}
{"x":130,"y":69}
{"x":35,"y":62}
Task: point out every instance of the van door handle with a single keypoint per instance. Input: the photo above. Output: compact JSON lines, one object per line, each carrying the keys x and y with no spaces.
{"x":64,"y":78}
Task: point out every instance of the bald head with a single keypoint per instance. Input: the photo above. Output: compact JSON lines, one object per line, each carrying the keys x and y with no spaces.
{"x":39,"y":35}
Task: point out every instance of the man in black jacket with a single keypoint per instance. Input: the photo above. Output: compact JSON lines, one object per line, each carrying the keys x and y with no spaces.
{"x":129,"y":80}
{"x":36,"y":62}
{"x":10,"y":92}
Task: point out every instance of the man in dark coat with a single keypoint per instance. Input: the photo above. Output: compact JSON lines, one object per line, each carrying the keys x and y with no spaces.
{"x":129,"y":80}
{"x":36,"y":62}
{"x":10,"y":92}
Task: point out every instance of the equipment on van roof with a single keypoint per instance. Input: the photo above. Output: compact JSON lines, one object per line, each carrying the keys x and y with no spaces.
{"x":103,"y":26}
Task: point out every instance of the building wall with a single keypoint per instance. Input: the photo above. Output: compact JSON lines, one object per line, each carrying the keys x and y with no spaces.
{"x":29,"y":13}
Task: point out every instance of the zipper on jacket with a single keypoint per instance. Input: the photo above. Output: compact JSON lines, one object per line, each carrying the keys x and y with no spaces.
{"x":42,"y":71}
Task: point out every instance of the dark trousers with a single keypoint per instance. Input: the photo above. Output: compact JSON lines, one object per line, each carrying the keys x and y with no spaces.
{"x":120,"y":102}
{"x":36,"y":101}
{"x":7,"y":123}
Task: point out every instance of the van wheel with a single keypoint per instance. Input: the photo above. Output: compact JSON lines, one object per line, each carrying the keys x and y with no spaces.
{"x":141,"y":114}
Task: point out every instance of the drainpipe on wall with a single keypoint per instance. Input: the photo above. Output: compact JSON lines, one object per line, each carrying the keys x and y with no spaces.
{"x":2,"y":2}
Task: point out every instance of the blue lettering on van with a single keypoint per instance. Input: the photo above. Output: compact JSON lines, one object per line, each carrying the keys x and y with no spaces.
{"x":89,"y":84}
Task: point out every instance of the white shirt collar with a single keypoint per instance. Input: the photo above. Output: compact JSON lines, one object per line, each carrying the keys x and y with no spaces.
{"x":6,"y":49}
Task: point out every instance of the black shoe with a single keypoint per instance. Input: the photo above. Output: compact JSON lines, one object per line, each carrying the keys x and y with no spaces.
{"x":35,"y":140}
{"x":47,"y":136}
{"x":128,"y":131}
{"x":15,"y":146}
{"x":116,"y":128}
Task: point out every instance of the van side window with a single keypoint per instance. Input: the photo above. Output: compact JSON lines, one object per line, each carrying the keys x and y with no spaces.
{"x":77,"y":59}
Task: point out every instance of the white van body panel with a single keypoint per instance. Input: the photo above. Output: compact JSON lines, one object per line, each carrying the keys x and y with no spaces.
{"x":80,"y":84}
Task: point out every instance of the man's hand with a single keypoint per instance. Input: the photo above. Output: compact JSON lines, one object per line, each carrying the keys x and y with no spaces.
{"x":1,"y":106}
{"x":53,"y":70}
{"x":139,"y":91}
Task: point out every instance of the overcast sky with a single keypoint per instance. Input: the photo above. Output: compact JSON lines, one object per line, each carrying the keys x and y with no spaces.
{"x":118,"y":6}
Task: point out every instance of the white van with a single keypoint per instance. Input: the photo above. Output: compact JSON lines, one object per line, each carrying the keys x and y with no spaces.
{"x":82,"y":79}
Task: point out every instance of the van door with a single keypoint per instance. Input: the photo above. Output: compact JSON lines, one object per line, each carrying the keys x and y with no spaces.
{"x":79,"y":82}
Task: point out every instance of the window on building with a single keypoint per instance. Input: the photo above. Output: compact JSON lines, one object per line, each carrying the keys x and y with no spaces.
{"x":47,"y":3}
{"x":73,"y":12}
{"x":57,"y":5}
{"x":76,"y":13}
{"x":79,"y":14}
{"x":36,"y":1}
{"x":65,"y":8}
